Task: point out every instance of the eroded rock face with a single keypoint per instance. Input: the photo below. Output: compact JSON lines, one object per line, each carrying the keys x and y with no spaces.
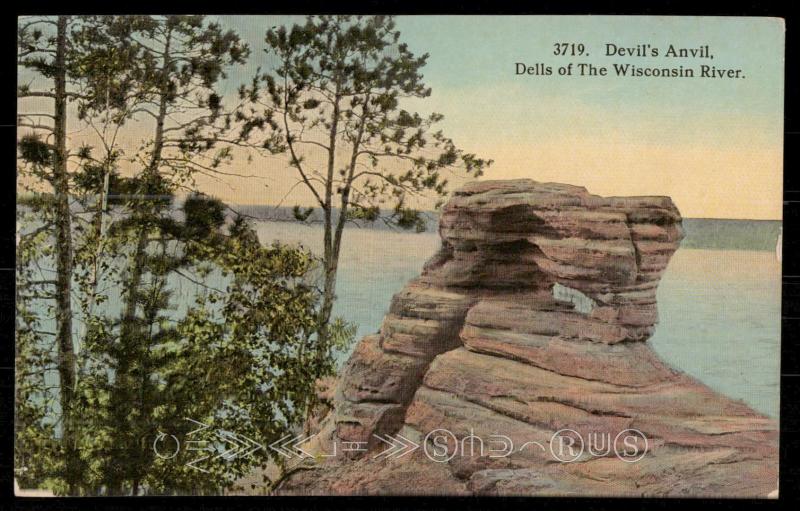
{"x":531,"y":319}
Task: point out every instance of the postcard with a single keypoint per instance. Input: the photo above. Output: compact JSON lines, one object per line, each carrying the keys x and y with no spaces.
{"x":398,"y":255}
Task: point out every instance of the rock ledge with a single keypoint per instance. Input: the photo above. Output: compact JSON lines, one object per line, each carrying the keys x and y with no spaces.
{"x":532,"y":320}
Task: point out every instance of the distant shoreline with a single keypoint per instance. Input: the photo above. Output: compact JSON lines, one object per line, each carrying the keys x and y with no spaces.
{"x":704,"y":233}
{"x":701,"y":233}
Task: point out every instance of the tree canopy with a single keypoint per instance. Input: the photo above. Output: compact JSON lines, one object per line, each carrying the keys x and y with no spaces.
{"x":180,"y":311}
{"x":333,"y":102}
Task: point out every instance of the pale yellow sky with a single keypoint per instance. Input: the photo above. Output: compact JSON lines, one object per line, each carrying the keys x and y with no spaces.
{"x":714,"y":146}
{"x":704,"y":181}
{"x":726,"y":165}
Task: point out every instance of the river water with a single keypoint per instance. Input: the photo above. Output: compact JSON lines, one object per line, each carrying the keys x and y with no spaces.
{"x":719,"y":310}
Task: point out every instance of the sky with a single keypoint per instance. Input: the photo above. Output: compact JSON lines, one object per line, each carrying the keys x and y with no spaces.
{"x":714,"y":145}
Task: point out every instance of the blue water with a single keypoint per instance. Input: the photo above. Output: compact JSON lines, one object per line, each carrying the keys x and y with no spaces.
{"x":373,"y":266}
{"x":719,"y":309}
{"x":720,"y":322}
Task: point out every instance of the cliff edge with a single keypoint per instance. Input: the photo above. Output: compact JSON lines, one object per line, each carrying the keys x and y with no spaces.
{"x":517,"y":364}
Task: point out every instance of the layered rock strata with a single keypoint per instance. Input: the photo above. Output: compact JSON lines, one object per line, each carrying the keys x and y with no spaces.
{"x":517,"y":363}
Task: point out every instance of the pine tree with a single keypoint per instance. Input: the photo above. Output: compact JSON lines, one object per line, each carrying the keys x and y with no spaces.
{"x":333,"y":105}
{"x":182,"y":312}
{"x":42,"y":49}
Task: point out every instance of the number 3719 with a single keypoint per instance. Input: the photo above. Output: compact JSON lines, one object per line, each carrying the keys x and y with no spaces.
{"x":569,"y":49}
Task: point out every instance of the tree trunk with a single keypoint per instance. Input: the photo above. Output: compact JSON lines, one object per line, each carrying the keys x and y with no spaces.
{"x":331,"y":255}
{"x":333,"y":236}
{"x":129,"y":332}
{"x":63,"y":249}
{"x":328,"y":297}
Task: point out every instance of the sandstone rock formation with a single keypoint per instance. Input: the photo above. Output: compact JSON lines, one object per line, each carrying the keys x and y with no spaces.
{"x":531,"y":320}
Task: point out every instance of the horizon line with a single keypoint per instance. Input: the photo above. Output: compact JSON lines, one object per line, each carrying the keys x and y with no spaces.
{"x":276,"y":206}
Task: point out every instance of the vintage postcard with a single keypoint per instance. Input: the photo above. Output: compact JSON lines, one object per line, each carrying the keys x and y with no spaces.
{"x":398,"y":255}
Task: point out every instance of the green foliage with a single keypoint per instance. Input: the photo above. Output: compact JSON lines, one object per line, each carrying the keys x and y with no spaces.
{"x":33,"y":150}
{"x":339,"y":89}
{"x":180,"y":315}
{"x":301,"y":214}
{"x":247,"y":342}
{"x":409,"y":218}
{"x":37,"y":453}
{"x":203,"y":215}
{"x":369,"y":213}
{"x":334,"y":105}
